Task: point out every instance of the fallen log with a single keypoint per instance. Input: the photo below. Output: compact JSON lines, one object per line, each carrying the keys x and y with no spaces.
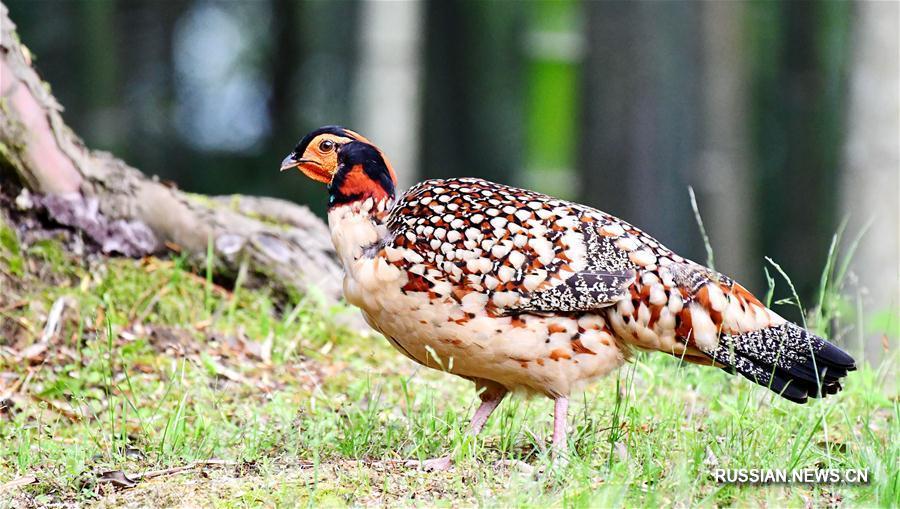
{"x":126,"y":212}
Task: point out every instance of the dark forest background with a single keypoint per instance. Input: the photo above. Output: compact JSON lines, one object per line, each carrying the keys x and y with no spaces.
{"x":761,"y":107}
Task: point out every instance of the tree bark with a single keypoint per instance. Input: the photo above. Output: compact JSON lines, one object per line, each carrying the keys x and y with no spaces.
{"x":472,"y":119}
{"x":870,"y":185}
{"x":724,"y":173}
{"x":124,"y":211}
{"x":640,"y":128}
{"x":797,"y":75}
{"x":387,"y":87}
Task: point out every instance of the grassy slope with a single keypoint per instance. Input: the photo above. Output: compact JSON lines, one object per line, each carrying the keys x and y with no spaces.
{"x":155,"y":368}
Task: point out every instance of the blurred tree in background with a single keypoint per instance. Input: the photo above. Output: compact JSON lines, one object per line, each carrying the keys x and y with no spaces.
{"x":641,"y":116}
{"x":619,"y":104}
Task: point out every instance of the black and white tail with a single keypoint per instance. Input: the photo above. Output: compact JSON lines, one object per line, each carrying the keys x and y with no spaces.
{"x":787,"y":359}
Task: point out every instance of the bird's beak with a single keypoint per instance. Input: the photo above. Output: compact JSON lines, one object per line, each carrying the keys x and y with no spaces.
{"x":289,"y":162}
{"x":310,"y":168}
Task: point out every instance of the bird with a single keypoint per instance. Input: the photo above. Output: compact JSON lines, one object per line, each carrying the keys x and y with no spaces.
{"x":519,"y":291}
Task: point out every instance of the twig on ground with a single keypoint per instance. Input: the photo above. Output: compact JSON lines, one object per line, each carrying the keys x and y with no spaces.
{"x":184,"y":468}
{"x":17,"y":483}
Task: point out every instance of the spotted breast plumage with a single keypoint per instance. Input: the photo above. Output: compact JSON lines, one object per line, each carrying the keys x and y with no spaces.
{"x":514,"y":289}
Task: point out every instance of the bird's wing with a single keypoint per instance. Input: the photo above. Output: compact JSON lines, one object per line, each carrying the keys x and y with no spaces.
{"x":511,"y":250}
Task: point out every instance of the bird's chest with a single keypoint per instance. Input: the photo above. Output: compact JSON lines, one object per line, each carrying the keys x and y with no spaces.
{"x":426,"y":328}
{"x":547,"y":354}
{"x":446,"y":325}
{"x":376,"y":286}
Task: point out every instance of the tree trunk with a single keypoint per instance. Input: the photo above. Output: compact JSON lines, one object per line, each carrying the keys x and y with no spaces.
{"x":798,"y":56}
{"x":388,"y":81}
{"x":871,"y":181}
{"x":124,"y":211}
{"x":640,"y":135}
{"x":724,"y":169}
{"x":472,"y":95}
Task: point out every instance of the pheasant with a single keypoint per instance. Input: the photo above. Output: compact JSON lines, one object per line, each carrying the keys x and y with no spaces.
{"x":517,"y":290}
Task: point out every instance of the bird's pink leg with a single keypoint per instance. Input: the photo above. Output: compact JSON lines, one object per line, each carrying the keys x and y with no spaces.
{"x":560,"y":409}
{"x":484,"y":411}
{"x":489,"y":402}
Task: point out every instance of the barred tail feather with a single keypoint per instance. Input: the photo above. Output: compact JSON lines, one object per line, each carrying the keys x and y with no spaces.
{"x":787,"y":359}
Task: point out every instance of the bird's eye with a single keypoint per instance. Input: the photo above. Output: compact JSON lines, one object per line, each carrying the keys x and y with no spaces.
{"x":326,"y":146}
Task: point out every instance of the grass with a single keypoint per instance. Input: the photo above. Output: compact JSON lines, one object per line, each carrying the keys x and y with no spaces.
{"x":153,"y":367}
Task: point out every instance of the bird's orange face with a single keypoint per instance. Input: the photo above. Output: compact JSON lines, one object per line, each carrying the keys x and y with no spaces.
{"x":316,"y":154}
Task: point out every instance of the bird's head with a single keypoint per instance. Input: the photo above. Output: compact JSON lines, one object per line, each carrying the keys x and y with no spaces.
{"x":316,"y":153}
{"x":351,"y":165}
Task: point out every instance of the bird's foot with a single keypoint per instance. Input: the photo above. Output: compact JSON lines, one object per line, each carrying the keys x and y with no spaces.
{"x":433,"y":465}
